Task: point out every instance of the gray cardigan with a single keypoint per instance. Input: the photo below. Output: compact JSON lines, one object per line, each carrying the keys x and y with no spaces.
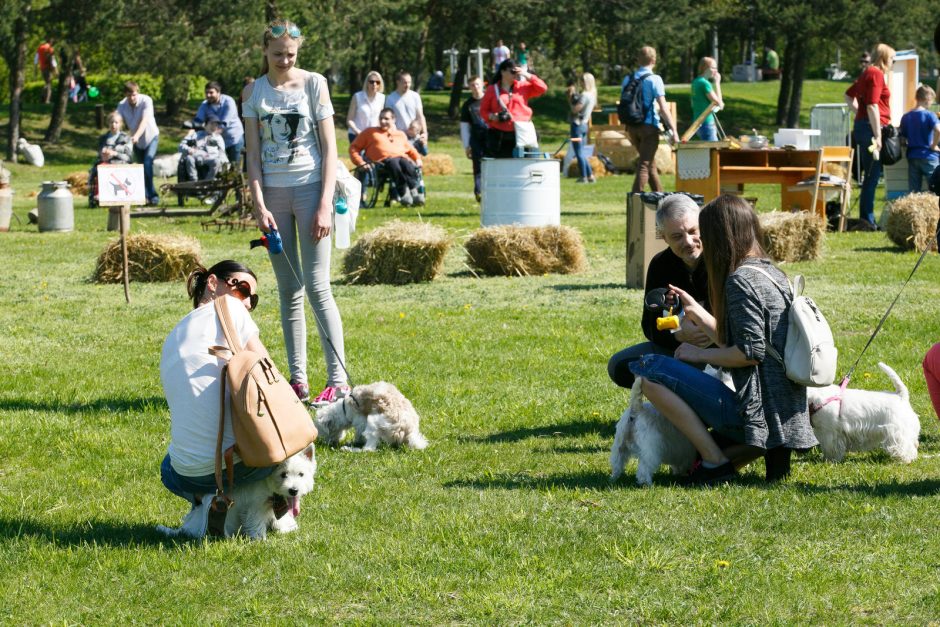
{"x":773,"y":408}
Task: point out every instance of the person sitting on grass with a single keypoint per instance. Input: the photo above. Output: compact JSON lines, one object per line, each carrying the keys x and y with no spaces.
{"x":203,"y":152}
{"x":767,"y":414}
{"x":681,"y":265}
{"x":191,"y":379}
{"x":114,"y":147}
{"x":390,"y":147}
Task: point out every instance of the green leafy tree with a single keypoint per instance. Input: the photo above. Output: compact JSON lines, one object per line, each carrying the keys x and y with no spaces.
{"x":13,"y":37}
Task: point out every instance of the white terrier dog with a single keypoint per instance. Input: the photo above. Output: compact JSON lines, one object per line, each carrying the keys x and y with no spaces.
{"x":863,"y":420}
{"x":272,"y":503}
{"x":646,"y":434}
{"x":378,"y":412}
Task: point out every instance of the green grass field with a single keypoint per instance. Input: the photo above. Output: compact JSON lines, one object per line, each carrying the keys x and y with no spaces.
{"x":508,"y":517}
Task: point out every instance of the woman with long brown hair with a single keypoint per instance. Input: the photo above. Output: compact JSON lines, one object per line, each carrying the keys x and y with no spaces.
{"x":766,"y":414}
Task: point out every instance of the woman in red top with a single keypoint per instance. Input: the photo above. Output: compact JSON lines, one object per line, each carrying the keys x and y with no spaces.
{"x":387,"y":145}
{"x":870,"y":98}
{"x":516,"y":86}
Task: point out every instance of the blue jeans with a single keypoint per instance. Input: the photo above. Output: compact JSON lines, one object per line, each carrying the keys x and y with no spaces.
{"x":146,"y":156}
{"x":871,"y":170}
{"x":189,"y":487}
{"x":708,"y":132}
{"x":708,"y":397}
{"x":919,"y":169}
{"x":618,"y":367}
{"x":579,"y":131}
{"x":234,"y":153}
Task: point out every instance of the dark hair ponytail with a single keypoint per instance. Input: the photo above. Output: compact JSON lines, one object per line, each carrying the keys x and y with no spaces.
{"x":198,"y":279}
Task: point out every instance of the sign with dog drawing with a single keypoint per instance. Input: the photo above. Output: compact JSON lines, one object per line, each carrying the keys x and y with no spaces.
{"x":121,"y":184}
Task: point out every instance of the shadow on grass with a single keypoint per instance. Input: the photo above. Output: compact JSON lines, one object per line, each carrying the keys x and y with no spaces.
{"x":102,"y":404}
{"x":571,"y":287}
{"x":526,"y":481}
{"x":90,"y":532}
{"x":881,"y":249}
{"x":573,"y":429}
{"x":922,"y":487}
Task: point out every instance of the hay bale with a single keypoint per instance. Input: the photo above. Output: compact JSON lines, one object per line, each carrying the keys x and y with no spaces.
{"x":78,"y":183}
{"x":437,"y":163}
{"x":397,"y":253}
{"x":616,"y":146}
{"x":526,"y":250}
{"x":665,"y":164}
{"x":150,"y":258}
{"x":912,"y":220}
{"x":793,"y":236}
{"x":596,"y":166}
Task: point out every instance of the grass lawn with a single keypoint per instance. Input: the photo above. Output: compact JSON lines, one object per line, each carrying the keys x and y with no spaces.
{"x":508,"y":517}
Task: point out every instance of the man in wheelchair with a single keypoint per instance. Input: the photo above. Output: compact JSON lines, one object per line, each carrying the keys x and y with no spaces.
{"x":388,"y":153}
{"x":202,"y":153}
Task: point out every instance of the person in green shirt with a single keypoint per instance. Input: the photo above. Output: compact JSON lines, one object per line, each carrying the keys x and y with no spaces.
{"x":706,"y":91}
{"x":771,"y":59}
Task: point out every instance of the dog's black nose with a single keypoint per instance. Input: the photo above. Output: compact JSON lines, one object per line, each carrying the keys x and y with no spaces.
{"x":292,"y":491}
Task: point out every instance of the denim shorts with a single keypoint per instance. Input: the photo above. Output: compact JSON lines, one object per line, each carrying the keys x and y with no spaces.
{"x":189,"y":487}
{"x":709,"y":398}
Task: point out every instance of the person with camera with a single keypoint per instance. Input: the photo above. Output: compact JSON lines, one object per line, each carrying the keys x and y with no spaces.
{"x":507,"y":101}
{"x":223,"y":109}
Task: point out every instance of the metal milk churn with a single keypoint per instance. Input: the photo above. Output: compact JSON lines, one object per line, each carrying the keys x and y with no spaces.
{"x":56,"y":212}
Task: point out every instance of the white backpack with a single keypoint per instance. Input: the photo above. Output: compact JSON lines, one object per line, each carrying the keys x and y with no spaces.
{"x":810,"y":355}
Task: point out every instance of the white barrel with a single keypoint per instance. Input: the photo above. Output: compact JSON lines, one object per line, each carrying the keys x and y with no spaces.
{"x":521,"y":191}
{"x":54,"y":203}
{"x":6,"y":208}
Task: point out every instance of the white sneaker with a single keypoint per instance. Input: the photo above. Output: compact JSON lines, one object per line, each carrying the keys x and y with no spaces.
{"x":406,"y":199}
{"x":195,"y":523}
{"x":417,"y":197}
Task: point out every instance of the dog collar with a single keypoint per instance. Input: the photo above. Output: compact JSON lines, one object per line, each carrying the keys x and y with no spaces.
{"x":279,"y":505}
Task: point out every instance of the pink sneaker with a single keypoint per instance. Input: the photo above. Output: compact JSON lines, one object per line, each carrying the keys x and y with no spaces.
{"x":302,"y":390}
{"x":330,"y":395}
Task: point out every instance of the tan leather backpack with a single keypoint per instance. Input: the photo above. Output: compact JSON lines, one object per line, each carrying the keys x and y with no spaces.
{"x":269,"y":421}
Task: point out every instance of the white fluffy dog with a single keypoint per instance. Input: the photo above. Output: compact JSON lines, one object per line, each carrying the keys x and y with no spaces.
{"x":646,"y":434}
{"x":255,"y":503}
{"x":378,"y":412}
{"x":863,"y":420}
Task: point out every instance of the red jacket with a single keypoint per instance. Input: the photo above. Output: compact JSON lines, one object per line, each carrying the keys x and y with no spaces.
{"x":870,"y":88}
{"x":516,"y":101}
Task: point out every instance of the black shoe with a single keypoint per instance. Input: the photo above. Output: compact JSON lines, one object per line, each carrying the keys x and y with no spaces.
{"x":702,"y":476}
{"x":777,"y":462}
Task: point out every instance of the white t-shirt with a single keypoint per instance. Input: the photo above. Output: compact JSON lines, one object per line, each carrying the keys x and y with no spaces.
{"x":134,"y":116}
{"x":406,"y":107}
{"x":191,"y":379}
{"x":289,"y":151}
{"x":367,"y":112}
{"x":500,"y":54}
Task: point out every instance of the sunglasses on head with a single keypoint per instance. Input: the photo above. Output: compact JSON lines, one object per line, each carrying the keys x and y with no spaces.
{"x":279,"y":29}
{"x":244,"y":290}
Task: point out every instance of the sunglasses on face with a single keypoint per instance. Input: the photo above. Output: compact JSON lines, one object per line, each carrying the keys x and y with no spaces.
{"x":280,"y":29}
{"x":243,"y":290}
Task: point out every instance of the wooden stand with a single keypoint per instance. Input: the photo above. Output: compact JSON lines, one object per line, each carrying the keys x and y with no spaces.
{"x":121,"y":216}
{"x":642,"y":243}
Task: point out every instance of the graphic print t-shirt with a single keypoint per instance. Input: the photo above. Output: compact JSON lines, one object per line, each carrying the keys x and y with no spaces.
{"x":287,"y":123}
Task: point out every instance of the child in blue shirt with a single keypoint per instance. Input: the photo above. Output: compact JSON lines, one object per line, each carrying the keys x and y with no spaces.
{"x":920,"y":128}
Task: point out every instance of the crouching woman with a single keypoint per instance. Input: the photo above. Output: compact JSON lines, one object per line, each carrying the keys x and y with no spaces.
{"x":767,"y":413}
{"x":191,"y":379}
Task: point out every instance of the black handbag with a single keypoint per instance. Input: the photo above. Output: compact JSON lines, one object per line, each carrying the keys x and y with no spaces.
{"x":890,"y":145}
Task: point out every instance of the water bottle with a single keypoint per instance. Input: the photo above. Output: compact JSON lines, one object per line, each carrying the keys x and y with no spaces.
{"x":341,"y":224}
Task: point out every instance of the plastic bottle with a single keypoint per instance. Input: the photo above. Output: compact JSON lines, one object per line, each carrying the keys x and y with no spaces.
{"x":341,"y":224}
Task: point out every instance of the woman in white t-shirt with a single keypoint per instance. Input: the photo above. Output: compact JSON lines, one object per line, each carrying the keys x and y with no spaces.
{"x":191,"y":378}
{"x":290,"y":145}
{"x":365,"y":105}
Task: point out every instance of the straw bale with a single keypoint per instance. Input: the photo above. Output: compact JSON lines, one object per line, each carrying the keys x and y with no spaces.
{"x":794,"y":236}
{"x":912,"y":220}
{"x":78,"y":183}
{"x":397,"y":253}
{"x":596,"y":166}
{"x":150,"y":258}
{"x":526,"y":250}
{"x":665,"y":164}
{"x":617,"y":147}
{"x":437,"y":163}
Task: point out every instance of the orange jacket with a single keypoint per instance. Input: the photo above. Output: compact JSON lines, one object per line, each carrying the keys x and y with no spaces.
{"x":380,"y":145}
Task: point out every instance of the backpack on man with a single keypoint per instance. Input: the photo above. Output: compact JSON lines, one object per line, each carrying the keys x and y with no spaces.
{"x":631,"y":109}
{"x":810,"y":354}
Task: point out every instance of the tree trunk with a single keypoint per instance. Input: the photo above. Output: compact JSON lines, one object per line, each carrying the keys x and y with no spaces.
{"x":796,"y":85}
{"x":17,"y":78}
{"x":453,"y":109}
{"x":786,"y":79}
{"x":61,"y":101}
{"x":422,"y":53}
{"x":270,"y":11}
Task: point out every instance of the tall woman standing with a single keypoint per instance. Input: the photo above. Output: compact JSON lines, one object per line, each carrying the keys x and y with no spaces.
{"x":365,"y":105}
{"x":767,"y":414}
{"x":292,"y":177}
{"x":581,"y":108}
{"x":870,"y":98}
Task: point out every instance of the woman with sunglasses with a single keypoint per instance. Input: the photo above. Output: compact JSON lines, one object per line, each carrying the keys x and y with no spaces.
{"x":365,"y":105}
{"x":292,"y":181}
{"x":191,"y":377}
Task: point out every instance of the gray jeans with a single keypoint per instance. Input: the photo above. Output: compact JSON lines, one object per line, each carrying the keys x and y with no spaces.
{"x":294,"y":209}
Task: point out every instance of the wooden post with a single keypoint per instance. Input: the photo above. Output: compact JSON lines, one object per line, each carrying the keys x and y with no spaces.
{"x":125,"y":218}
{"x":118,"y":221}
{"x":99,"y":115}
